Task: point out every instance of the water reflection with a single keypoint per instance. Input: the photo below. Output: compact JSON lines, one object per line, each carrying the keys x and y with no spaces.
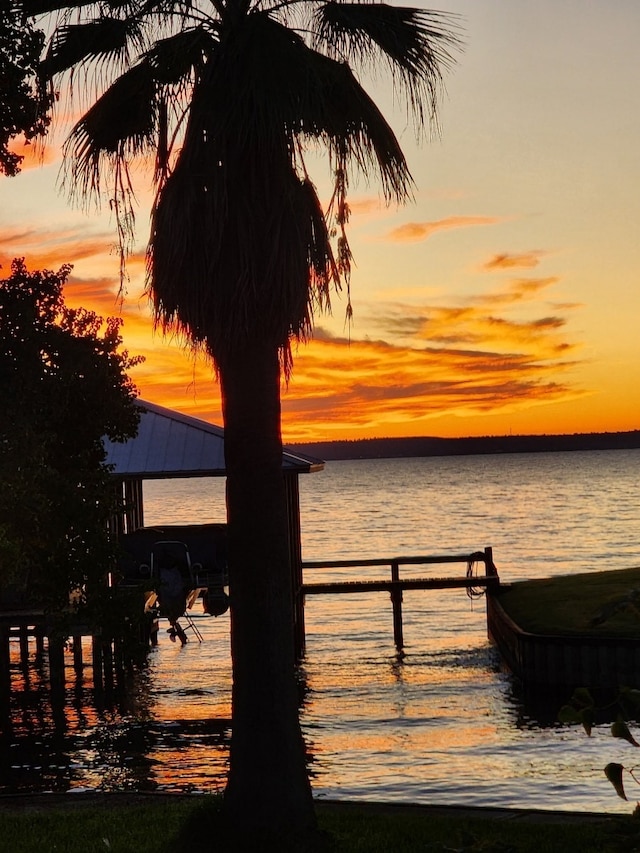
{"x":111,"y":740}
{"x":443,"y":723}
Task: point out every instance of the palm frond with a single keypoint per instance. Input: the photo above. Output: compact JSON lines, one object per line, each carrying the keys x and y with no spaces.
{"x":176,"y":63}
{"x":417,"y":44}
{"x":175,"y":58}
{"x":239,"y":213}
{"x":239,"y":245}
{"x":120,"y":125}
{"x":81,"y":43}
{"x":356,"y":133}
{"x":42,"y":7}
{"x":289,"y":87}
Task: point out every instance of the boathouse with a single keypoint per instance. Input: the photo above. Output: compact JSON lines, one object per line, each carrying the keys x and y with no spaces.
{"x":168,"y":445}
{"x":171,"y":445}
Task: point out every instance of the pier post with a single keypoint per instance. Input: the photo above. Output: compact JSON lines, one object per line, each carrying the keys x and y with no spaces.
{"x":24,"y":647}
{"x":121,"y":662}
{"x":77,"y":655}
{"x":490,"y":568}
{"x":107,"y":659}
{"x":96,"y":654}
{"x":396,"y":602}
{"x":56,"y":665}
{"x":39,"y":635}
{"x":5,"y":664}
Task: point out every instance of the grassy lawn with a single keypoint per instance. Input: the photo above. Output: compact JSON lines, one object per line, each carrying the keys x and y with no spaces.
{"x":598,"y":603}
{"x":177,"y":826}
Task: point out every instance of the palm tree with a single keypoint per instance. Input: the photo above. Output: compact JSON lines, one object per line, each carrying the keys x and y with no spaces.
{"x":230,"y":96}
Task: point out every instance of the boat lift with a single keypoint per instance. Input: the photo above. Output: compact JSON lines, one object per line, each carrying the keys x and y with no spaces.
{"x":177,"y":587}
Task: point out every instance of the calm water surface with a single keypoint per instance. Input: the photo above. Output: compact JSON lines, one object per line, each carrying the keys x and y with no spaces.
{"x":443,"y":724}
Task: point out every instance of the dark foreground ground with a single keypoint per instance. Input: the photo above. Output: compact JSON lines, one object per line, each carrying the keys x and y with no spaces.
{"x":35,"y":803}
{"x":192,"y":823}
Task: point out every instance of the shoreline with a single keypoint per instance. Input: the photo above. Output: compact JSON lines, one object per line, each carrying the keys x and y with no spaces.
{"x":70,"y":801}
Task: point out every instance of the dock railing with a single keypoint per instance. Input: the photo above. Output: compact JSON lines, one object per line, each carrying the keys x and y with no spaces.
{"x":475,"y":584}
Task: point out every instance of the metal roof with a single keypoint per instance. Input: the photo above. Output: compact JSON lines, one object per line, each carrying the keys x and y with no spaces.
{"x":170,"y":444}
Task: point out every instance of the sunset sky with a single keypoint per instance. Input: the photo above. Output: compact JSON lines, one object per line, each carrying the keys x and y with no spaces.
{"x":505,"y":299}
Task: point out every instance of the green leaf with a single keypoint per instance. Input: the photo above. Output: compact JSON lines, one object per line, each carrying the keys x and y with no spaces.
{"x":568,"y":714}
{"x":586,"y":718}
{"x":613,"y":772}
{"x":582,"y":698}
{"x":621,"y":729}
{"x":572,"y":715}
{"x":629,"y":698}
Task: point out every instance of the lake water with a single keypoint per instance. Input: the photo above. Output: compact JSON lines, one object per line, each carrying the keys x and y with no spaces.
{"x":443,"y":724}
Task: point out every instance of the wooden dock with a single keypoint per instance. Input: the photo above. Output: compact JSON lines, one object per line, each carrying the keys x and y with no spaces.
{"x":39,"y":638}
{"x":41,"y":641}
{"x":395,"y":585}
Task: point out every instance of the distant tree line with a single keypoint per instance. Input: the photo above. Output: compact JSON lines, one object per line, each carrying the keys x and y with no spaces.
{"x":396,"y":448}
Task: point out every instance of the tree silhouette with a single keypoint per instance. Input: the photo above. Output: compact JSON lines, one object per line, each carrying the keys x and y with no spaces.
{"x":65,"y":386}
{"x":230,"y":96}
{"x":24,"y":103}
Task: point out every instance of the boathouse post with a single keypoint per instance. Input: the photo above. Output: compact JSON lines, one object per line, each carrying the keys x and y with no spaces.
{"x":121,"y":662}
{"x":396,"y":602}
{"x":292,"y":491}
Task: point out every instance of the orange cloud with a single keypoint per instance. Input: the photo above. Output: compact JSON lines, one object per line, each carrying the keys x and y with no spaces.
{"x":499,"y":351}
{"x":100,"y":293}
{"x":518,"y":290}
{"x":476,"y":357}
{"x":362,"y":386}
{"x":35,"y":154}
{"x":341,"y":386}
{"x":414,"y":231}
{"x":49,"y":249}
{"x":488,"y":317}
{"x":363,"y":206}
{"x":507,"y":261}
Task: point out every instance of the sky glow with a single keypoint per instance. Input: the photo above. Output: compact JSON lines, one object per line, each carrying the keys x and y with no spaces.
{"x":504,"y":299}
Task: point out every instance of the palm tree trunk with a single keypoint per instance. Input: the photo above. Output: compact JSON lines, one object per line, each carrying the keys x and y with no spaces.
{"x":268,"y":785}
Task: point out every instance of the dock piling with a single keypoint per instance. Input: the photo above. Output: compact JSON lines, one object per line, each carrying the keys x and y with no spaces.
{"x":396,"y":603}
{"x":5,"y":660}
{"x":24,"y":647}
{"x":77,"y":655}
{"x":56,"y":665}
